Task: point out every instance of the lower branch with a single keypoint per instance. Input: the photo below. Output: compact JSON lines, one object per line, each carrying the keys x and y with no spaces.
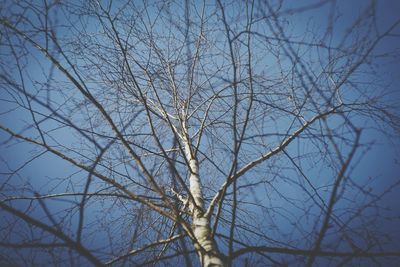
{"x":302,"y":252}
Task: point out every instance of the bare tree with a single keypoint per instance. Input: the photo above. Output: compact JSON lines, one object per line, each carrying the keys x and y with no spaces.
{"x":141,"y":133}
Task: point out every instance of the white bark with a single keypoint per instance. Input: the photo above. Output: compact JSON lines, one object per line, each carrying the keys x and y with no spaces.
{"x":206,"y":247}
{"x":207,"y":251}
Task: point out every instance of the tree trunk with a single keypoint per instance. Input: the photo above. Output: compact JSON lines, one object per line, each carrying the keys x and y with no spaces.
{"x":206,"y":247}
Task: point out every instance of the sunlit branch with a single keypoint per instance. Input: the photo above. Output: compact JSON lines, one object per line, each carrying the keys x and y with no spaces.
{"x":217,"y":198}
{"x":136,"y":251}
